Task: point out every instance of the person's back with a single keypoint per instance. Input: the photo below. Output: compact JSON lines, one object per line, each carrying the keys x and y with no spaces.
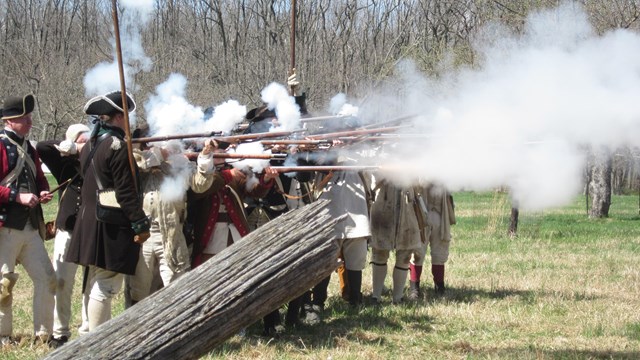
{"x":107,"y":240}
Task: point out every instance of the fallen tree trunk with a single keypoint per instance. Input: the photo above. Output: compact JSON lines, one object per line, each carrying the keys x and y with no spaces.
{"x":206,"y":306}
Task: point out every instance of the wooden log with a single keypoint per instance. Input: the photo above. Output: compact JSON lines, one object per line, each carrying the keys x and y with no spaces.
{"x":213,"y":302}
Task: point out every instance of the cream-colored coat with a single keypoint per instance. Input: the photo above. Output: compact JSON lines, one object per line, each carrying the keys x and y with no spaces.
{"x":348,"y":196}
{"x":170,"y":214}
{"x":441,"y":212}
{"x":394,"y":225}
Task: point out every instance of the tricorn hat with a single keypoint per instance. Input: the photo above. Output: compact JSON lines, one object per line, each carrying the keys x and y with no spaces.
{"x":108,"y":104}
{"x":15,"y":107}
{"x":260,"y":113}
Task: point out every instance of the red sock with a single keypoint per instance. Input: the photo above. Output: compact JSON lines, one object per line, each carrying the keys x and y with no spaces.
{"x":438,"y":273}
{"x":415,"y":271}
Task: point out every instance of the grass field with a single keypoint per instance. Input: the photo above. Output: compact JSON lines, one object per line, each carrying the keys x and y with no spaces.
{"x":567,"y":287}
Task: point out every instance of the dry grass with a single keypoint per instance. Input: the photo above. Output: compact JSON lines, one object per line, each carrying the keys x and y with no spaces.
{"x":566,"y":288}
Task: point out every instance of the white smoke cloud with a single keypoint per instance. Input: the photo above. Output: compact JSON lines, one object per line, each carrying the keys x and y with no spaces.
{"x":105,"y":76}
{"x":520,"y":117}
{"x":287,"y":111}
{"x":142,"y":8}
{"x":175,"y":185}
{"x":252,"y":148}
{"x":226,"y":116}
{"x":338,"y":106}
{"x":169,"y":113}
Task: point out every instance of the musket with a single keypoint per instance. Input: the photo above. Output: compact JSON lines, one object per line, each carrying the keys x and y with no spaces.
{"x":240,"y":127}
{"x":295,"y":142}
{"x":249,"y":156}
{"x":355,"y":132}
{"x":176,"y":137}
{"x":323,"y":118}
{"x":55,"y":189}
{"x":386,"y":137}
{"x":390,"y":122}
{"x":286,"y":169}
{"x":376,"y":125}
{"x":123,"y":93}
{"x":293,"y":41}
{"x":193,"y":155}
{"x":257,"y":136}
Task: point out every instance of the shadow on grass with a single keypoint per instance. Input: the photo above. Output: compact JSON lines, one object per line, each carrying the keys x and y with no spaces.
{"x":365,"y":324}
{"x":370,"y":324}
{"x":532,"y":352}
{"x":470,"y":295}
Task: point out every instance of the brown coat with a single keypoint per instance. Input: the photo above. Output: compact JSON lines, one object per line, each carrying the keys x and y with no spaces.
{"x":107,"y":246}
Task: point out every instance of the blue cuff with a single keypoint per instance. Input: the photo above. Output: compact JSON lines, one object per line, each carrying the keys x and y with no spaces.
{"x":142,"y":225}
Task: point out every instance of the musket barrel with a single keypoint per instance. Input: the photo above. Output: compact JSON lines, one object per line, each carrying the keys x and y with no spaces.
{"x":249,"y":156}
{"x":355,"y":132}
{"x":389,"y":122}
{"x":175,"y":137}
{"x":194,"y":155}
{"x":294,"y":142}
{"x":322,"y":118}
{"x":55,"y":189}
{"x":286,"y":169}
{"x":217,"y":135}
{"x":257,"y":136}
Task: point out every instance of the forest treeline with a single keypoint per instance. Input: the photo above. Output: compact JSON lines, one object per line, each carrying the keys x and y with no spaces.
{"x":231,"y":49}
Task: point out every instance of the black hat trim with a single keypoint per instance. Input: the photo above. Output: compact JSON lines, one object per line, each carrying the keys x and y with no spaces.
{"x":108,"y":103}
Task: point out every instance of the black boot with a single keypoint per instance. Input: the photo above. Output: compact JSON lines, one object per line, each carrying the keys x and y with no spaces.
{"x":319,"y":292}
{"x":292,"y":319}
{"x":354,"y":278}
{"x":271,"y":320}
{"x":55,"y":343}
{"x":414,"y":290}
{"x":314,"y":310}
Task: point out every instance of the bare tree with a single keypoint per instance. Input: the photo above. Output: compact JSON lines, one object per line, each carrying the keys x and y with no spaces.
{"x":600,"y":184}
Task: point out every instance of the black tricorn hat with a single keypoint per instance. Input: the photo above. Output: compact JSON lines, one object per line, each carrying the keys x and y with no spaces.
{"x":15,"y":107}
{"x":108,"y":104}
{"x":260,"y":113}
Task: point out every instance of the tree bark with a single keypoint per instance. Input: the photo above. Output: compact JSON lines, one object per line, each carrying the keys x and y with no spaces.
{"x":600,"y":185}
{"x":206,"y":306}
{"x":513,"y":225}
